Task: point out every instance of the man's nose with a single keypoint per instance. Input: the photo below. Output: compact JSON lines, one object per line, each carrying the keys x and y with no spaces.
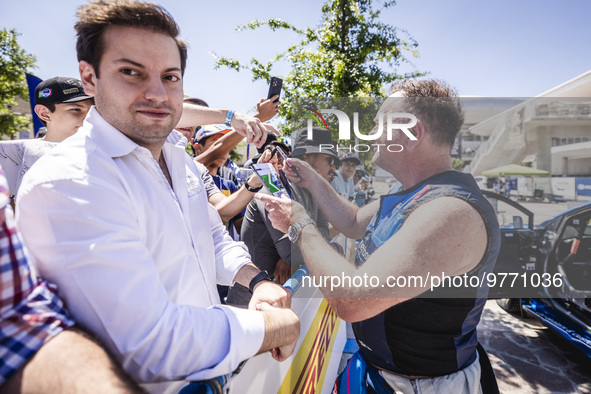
{"x":155,"y":89}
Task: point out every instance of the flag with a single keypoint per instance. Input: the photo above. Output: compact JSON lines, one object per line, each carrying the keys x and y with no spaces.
{"x":32,"y":82}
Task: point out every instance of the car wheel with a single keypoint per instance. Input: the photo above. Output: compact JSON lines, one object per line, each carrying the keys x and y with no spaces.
{"x":511,"y":305}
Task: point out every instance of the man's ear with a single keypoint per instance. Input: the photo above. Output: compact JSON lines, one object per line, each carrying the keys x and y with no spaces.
{"x":43,"y":112}
{"x":88,"y":77}
{"x":198,"y":148}
{"x":419,"y":132}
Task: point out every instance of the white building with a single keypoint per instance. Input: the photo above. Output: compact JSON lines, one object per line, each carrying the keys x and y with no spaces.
{"x":552,"y":130}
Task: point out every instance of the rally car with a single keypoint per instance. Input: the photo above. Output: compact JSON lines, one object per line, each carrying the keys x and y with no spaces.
{"x":545,"y":270}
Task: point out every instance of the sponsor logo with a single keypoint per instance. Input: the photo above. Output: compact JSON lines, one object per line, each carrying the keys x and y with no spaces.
{"x":583,"y":187}
{"x":71,"y":90}
{"x":45,"y":93}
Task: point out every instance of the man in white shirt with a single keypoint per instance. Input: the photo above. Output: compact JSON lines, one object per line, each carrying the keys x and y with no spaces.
{"x":119,"y":219}
{"x":343,"y":180}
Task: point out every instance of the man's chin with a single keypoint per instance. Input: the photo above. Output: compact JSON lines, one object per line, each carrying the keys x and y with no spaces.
{"x":156,"y":129}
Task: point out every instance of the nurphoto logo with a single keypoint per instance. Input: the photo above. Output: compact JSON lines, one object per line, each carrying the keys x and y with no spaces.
{"x":393,"y":120}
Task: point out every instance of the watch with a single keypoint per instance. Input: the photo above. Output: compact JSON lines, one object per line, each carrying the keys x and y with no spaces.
{"x":261,"y":276}
{"x":293,"y":233}
{"x":250,"y":188}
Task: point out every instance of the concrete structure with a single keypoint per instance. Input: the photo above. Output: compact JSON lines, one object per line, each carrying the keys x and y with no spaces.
{"x":572,"y":159}
{"x":553,"y":129}
{"x":476,"y":110}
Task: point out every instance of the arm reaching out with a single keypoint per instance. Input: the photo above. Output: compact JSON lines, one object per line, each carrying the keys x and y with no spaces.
{"x":266,"y":109}
{"x":250,"y":127}
{"x":345,"y":217}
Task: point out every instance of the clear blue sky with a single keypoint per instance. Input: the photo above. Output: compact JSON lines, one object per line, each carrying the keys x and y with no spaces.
{"x":501,"y":48}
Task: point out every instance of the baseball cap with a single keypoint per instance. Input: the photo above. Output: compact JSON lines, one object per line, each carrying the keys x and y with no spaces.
{"x":351,"y":157}
{"x":305,"y":146}
{"x":209,"y":130}
{"x":360,"y":169}
{"x":60,"y":90}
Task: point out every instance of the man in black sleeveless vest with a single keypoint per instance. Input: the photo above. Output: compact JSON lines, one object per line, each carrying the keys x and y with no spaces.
{"x":417,"y":289}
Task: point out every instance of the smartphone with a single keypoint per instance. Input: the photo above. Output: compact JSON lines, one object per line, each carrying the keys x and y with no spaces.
{"x":284,"y":156}
{"x":275,"y":88}
{"x":270,"y":179}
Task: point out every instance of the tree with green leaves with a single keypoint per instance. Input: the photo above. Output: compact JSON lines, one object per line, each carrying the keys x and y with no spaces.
{"x":350,"y":54}
{"x":14,"y":63}
{"x":457,"y":164}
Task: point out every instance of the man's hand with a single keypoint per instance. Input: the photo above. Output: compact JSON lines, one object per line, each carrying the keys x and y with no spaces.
{"x":301,"y":173}
{"x":270,"y":293}
{"x":252,"y":128}
{"x":282,"y":272}
{"x":254,"y":181}
{"x":266,"y":109}
{"x":284,"y":330}
{"x":282,"y":211}
{"x":267,"y":157}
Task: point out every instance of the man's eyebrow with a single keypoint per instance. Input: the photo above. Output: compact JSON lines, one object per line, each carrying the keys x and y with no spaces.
{"x":139,"y":65}
{"x":173,"y":69}
{"x":125,"y":60}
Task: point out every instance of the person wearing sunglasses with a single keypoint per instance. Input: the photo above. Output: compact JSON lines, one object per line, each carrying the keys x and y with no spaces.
{"x":269,"y":248}
{"x":343,"y":182}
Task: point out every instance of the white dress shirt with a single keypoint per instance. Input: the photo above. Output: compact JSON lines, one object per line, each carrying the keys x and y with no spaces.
{"x":136,"y":262}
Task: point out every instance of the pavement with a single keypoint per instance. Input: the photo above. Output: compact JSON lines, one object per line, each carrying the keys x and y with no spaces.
{"x":528,"y":358}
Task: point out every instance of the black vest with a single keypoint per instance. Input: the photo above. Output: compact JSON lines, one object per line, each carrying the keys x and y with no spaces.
{"x":423,"y":336}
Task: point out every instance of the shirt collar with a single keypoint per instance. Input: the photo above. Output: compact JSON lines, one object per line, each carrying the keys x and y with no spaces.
{"x":112,"y":141}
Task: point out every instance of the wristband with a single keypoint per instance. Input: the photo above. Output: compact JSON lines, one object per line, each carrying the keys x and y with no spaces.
{"x":250,"y":188}
{"x":229,"y":116}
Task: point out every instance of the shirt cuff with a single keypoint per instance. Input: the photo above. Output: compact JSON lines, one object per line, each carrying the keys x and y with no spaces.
{"x":235,"y":258}
{"x":247,"y":331}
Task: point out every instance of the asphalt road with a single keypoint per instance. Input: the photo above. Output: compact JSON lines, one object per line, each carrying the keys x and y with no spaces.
{"x":529,"y":358}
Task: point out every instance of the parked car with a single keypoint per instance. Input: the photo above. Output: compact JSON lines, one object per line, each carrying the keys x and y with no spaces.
{"x":546,"y":269}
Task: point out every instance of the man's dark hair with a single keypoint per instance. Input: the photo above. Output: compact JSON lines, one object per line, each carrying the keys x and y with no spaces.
{"x":98,"y":15}
{"x":286,"y":148}
{"x":436,"y":104}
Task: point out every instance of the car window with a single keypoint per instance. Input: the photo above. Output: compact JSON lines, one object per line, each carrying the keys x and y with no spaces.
{"x":587,"y":231}
{"x":569,"y":232}
{"x":508,"y":216}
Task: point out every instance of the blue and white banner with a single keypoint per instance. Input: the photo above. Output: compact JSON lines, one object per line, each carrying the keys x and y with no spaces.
{"x":583,"y":186}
